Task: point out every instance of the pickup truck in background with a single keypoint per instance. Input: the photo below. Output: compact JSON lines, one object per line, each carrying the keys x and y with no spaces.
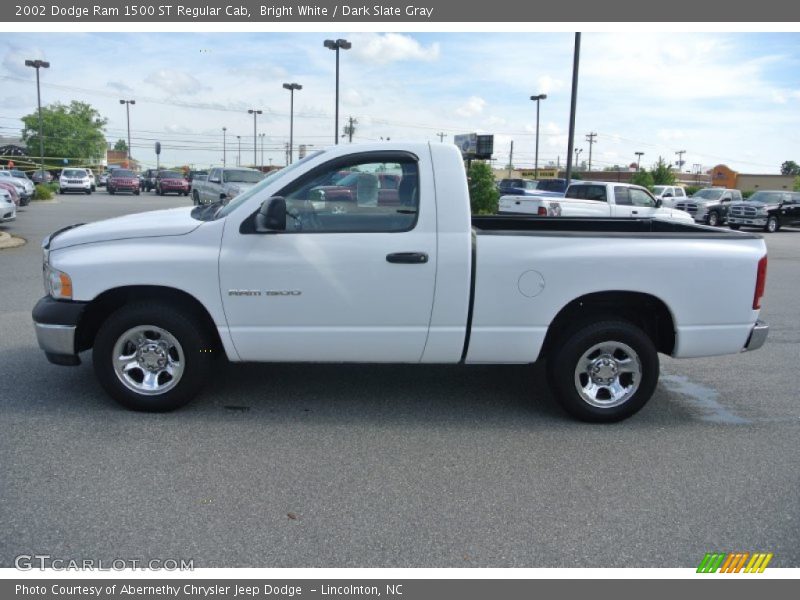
{"x":669,"y":194}
{"x":767,"y":209}
{"x":279,"y":275}
{"x":710,"y":205}
{"x":595,"y":199}
{"x":517,"y":187}
{"x":224,"y":183}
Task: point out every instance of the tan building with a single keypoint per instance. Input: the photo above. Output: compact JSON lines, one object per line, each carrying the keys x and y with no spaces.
{"x":724,"y":176}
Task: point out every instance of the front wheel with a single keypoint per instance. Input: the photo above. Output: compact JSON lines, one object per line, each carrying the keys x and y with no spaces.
{"x":713,"y":218}
{"x":604,"y":371}
{"x":152,"y":357}
{"x":772,"y":224}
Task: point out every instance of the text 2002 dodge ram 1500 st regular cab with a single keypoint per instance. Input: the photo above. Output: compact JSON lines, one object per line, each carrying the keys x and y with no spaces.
{"x":278,"y":275}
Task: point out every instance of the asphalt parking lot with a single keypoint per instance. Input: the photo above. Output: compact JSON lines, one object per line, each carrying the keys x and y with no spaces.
{"x":394,"y":466}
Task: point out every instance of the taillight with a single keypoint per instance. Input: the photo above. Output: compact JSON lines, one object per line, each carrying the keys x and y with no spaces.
{"x":542,"y":212}
{"x":761,"y":282}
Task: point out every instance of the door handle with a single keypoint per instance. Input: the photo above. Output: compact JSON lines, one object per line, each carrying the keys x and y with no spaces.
{"x":410,"y":258}
{"x":634,"y":212}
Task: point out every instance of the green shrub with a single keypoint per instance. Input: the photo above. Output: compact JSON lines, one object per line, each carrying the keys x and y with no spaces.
{"x":748,"y":193}
{"x":483,"y":194}
{"x":691,"y":190}
{"x":644,"y":179}
{"x":43,"y":192}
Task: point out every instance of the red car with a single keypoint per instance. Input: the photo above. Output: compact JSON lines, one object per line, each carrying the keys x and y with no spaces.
{"x":172,"y":182}
{"x":122,"y":180}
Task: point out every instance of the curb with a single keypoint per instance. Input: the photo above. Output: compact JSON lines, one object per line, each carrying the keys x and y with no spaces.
{"x":9,"y":241}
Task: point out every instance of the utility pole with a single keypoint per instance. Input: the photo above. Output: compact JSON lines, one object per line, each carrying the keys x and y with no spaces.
{"x":262,"y":136}
{"x":224,"y":147}
{"x":350,"y":128}
{"x":639,"y":160}
{"x":511,"y":159}
{"x":239,"y":155}
{"x":576,"y":58}
{"x":680,"y":154}
{"x":590,"y":138}
{"x":441,"y":135}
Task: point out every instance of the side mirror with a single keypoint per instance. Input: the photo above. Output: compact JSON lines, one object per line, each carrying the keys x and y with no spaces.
{"x":213,"y":179}
{"x":659,"y":202}
{"x":271,"y":217}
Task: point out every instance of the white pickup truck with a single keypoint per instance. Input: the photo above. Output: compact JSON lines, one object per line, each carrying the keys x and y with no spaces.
{"x":595,"y":199}
{"x":397,"y":271}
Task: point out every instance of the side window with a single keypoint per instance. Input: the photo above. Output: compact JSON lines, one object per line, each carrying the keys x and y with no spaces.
{"x":736,"y":196}
{"x":641,"y":198}
{"x":596,"y":193}
{"x":622,"y":195}
{"x":578,"y":192}
{"x":679,"y":193}
{"x":371,"y":196}
{"x":214,"y":174}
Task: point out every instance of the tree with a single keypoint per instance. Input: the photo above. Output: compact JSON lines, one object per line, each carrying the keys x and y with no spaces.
{"x":121,"y":146}
{"x":483,"y":194}
{"x":73,"y":132}
{"x":797,"y":184}
{"x":789,"y":167}
{"x":643,"y":178}
{"x":662,"y":173}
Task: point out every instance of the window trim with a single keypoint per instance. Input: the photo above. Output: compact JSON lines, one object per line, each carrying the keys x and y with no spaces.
{"x":247,"y":226}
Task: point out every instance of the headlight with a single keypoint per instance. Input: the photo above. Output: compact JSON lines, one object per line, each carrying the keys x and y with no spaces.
{"x":57,"y":283}
{"x":762,"y":212}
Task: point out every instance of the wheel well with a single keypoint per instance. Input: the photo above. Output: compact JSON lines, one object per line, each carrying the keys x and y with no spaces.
{"x":643,"y":310}
{"x":109,"y":301}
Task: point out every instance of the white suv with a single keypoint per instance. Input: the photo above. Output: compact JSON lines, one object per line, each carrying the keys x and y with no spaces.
{"x":74,"y":180}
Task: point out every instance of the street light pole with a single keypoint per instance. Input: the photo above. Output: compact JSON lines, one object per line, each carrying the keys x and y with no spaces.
{"x":577,"y":153}
{"x":292,"y":87}
{"x":337,"y":45}
{"x":224,"y":145}
{"x":638,"y":160}
{"x":239,"y":156}
{"x":127,"y":104}
{"x":262,"y":136}
{"x":39,"y":64}
{"x":537,"y":99}
{"x":255,"y":114}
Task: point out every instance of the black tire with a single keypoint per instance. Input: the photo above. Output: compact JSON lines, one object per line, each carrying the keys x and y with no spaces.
{"x":571,"y":347}
{"x":60,"y":190}
{"x":195,"y":198}
{"x":713,"y":219}
{"x":194,"y":340}
{"x":136,"y":192}
{"x":772,"y":224}
{"x":112,"y":191}
{"x":185,"y":193}
{"x":734,"y":226}
{"x":88,"y":192}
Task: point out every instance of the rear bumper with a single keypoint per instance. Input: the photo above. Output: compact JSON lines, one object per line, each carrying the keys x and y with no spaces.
{"x":758,"y":335}
{"x":56,"y":324}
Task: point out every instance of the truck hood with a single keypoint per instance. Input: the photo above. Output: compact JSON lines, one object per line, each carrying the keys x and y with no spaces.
{"x":757,"y":204}
{"x":157,"y":223}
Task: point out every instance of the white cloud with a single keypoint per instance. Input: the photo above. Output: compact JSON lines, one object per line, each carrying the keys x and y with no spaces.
{"x":547,"y":84}
{"x":119,"y":86}
{"x":385,"y":48}
{"x":670,"y":134}
{"x":14,"y":60}
{"x":472,"y":107}
{"x":175,"y":82}
{"x":260,"y":72}
{"x":355,"y":99}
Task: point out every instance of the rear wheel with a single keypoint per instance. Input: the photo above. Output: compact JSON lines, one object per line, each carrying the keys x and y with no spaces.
{"x":151,"y":357}
{"x":604,"y":371}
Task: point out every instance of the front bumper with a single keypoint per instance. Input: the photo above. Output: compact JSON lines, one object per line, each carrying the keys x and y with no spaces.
{"x":758,"y":335}
{"x":756,"y":221}
{"x":77,"y":187}
{"x":56,"y":324}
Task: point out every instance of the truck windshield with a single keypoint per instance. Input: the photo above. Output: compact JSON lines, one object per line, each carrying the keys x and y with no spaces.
{"x":242,"y":176}
{"x":659,"y":189}
{"x":766,"y":197}
{"x":709,"y":194}
{"x":244,"y":196}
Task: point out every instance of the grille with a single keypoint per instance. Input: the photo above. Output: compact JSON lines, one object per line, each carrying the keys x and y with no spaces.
{"x":74,"y":181}
{"x":689,"y":207}
{"x":743,"y":211}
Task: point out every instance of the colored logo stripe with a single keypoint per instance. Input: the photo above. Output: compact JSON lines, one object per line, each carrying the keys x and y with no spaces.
{"x":734,"y":562}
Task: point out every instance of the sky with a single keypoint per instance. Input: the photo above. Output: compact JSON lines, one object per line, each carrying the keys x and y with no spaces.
{"x":731,"y":98}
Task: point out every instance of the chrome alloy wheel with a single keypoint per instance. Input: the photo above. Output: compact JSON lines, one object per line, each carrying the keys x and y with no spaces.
{"x":608,"y":374}
{"x":148,"y":360}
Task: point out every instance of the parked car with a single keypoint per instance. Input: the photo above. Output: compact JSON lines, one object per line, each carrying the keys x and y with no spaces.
{"x":12,"y":191}
{"x":225,"y":183}
{"x":8,"y":208}
{"x":92,"y":179}
{"x":669,"y":194}
{"x":595,"y":199}
{"x":40,"y":176}
{"x":171,"y":182}
{"x":768,"y":209}
{"x":196,"y":174}
{"x":23,"y":185}
{"x":74,"y":180}
{"x":710,"y":205}
{"x":516,"y":187}
{"x":102,"y":181}
{"x":269,"y":276}
{"x":123,"y":180}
